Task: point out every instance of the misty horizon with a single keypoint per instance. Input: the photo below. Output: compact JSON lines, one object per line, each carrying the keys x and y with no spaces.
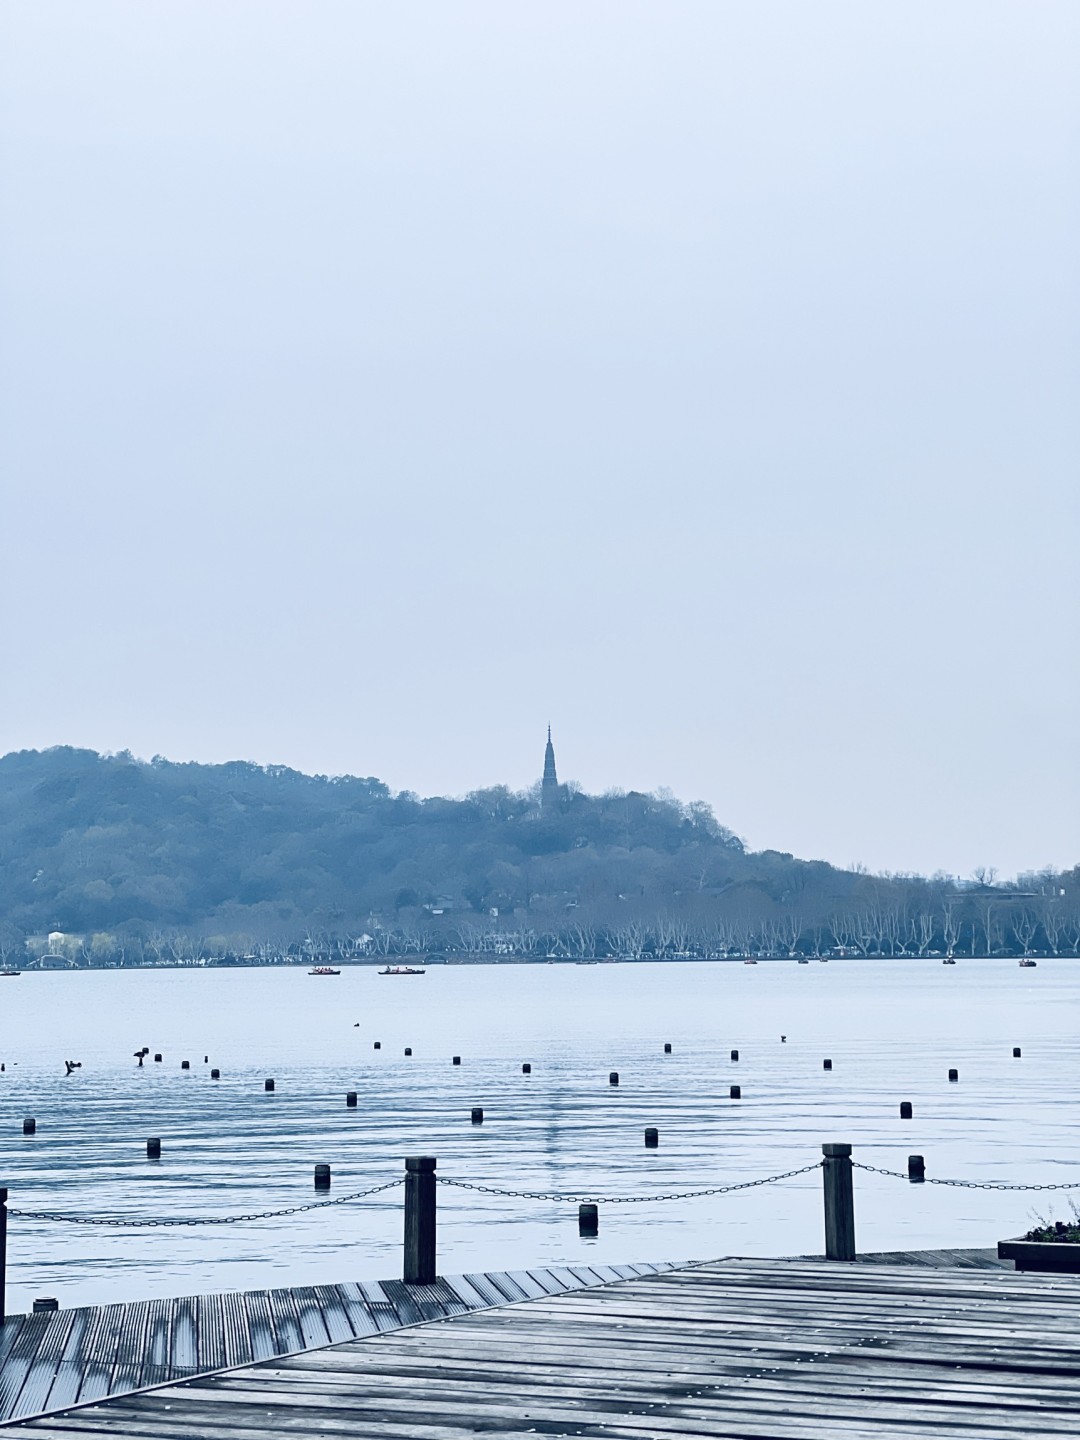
{"x":380,"y":384}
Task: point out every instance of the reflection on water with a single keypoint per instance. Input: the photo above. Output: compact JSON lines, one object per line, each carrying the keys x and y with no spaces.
{"x":892,"y":1029}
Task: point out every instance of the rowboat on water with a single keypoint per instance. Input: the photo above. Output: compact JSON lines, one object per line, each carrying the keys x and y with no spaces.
{"x":324,"y":970}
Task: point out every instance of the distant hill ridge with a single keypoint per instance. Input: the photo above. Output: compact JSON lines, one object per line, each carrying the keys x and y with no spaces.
{"x":132,"y":854}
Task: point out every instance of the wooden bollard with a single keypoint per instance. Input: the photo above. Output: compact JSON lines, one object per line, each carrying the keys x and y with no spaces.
{"x":588,"y":1220}
{"x":1016,"y":1052}
{"x":477,"y":1115}
{"x":954,"y":1074}
{"x":45,"y":1305}
{"x":377,"y":1045}
{"x":667,"y":1048}
{"x":350,"y":1100}
{"x":526,"y":1069}
{"x":734,"y":1054}
{"x":613,"y":1078}
{"x":3,"y":1252}
{"x":153,"y":1149}
{"x":456,"y":1060}
{"x":29,"y":1126}
{"x":215,"y":1074}
{"x":185,"y":1064}
{"x":652,"y":1137}
{"x":157,"y":1059}
{"x":826,"y":1064}
{"x":906,"y":1111}
{"x":839,"y":1202}
{"x":419,"y":1268}
{"x":268,"y":1086}
{"x":206,"y":1059}
{"x":916,"y":1169}
{"x":735,"y":1092}
{"x":322,"y":1177}
{"x":408,"y":1049}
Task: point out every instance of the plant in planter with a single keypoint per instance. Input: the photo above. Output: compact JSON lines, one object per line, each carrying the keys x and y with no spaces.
{"x":1052,"y":1245}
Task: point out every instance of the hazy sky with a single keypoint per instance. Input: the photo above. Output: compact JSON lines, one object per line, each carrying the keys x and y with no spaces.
{"x":382,"y":381}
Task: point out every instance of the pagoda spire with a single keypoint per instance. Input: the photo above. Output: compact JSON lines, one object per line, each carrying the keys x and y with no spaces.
{"x":549,"y":786}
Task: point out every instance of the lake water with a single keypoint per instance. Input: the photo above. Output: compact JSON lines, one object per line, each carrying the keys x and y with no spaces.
{"x":891,"y":1028}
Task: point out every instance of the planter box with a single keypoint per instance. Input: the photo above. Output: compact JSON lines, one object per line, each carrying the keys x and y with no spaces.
{"x":1058,"y":1257}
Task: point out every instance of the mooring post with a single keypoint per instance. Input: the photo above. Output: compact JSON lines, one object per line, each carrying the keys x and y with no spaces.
{"x":916,"y":1169}
{"x":3,"y":1253}
{"x":419,"y":1220}
{"x":839,"y":1203}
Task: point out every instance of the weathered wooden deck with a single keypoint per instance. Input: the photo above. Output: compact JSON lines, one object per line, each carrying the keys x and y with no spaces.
{"x":68,"y":1357}
{"x":796,"y":1350}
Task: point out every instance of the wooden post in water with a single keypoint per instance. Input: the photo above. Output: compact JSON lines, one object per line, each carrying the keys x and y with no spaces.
{"x":268,"y":1086}
{"x":215,"y":1074}
{"x":153,"y":1149}
{"x":667,"y":1048}
{"x":350,"y":1100}
{"x":735,"y":1054}
{"x":839,"y":1202}
{"x":906,"y":1111}
{"x":826,"y":1064}
{"x":377,"y":1045}
{"x":735,"y":1092}
{"x":3,"y":1253}
{"x":613,"y":1078}
{"x":408,"y":1049}
{"x":185,"y":1064}
{"x":916,"y":1169}
{"x":29,"y":1126}
{"x":477,"y":1115}
{"x":652,"y":1137}
{"x":1016,"y":1052}
{"x":526,"y":1069}
{"x":954,"y":1074}
{"x":157,"y":1058}
{"x":588,"y":1220}
{"x":419,"y":1220}
{"x":456,"y":1060}
{"x":322,"y":1177}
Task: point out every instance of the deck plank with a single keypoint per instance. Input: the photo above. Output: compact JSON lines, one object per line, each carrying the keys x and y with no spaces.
{"x":794,"y":1350}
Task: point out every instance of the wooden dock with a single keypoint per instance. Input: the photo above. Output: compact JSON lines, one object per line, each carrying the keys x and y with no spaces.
{"x":55,"y":1360}
{"x":795,"y":1350}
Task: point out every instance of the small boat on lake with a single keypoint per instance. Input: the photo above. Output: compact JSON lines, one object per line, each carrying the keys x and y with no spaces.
{"x":401,"y":970}
{"x":7,"y":973}
{"x":1027,"y":964}
{"x":749,"y":960}
{"x":324,"y":970}
{"x":948,"y":960}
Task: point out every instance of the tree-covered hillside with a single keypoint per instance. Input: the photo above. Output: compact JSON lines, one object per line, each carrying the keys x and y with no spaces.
{"x":158,"y":860}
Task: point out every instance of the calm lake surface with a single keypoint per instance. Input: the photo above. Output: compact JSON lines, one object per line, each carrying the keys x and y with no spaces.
{"x":891,"y":1027}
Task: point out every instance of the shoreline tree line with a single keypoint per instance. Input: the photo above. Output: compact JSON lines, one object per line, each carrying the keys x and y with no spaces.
{"x":107,"y":860}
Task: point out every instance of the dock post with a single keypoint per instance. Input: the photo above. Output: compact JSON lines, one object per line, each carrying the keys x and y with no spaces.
{"x":839,"y":1203}
{"x":3,"y":1253}
{"x":419,"y":1220}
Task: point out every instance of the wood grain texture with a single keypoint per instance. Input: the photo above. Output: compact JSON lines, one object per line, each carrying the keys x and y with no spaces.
{"x":794,"y":1350}
{"x":54,"y":1361}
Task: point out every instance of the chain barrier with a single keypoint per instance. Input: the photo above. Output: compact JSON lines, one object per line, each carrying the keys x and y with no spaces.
{"x":626,"y":1199}
{"x":970,"y":1184}
{"x":205,"y":1219}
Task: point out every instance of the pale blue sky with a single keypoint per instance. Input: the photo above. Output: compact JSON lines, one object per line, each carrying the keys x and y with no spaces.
{"x":382,"y":381}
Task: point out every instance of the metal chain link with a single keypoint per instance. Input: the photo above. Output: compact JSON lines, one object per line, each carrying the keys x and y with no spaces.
{"x":970,"y":1184}
{"x":205,"y":1219}
{"x":626,"y":1199}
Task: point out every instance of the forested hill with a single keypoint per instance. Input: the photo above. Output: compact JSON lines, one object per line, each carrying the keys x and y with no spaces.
{"x":150,"y":860}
